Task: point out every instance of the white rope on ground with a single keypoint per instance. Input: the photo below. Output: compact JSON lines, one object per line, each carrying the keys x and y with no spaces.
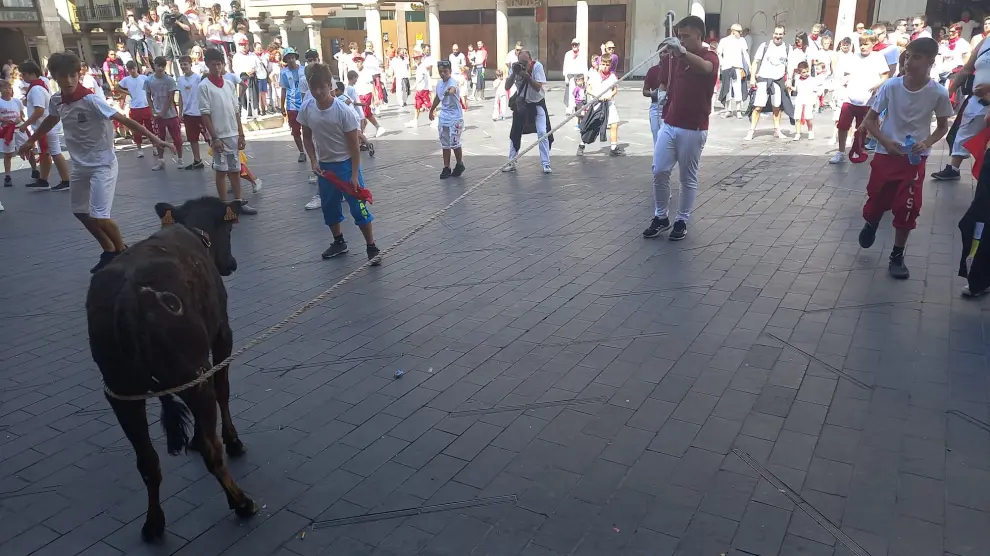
{"x":319,"y":298}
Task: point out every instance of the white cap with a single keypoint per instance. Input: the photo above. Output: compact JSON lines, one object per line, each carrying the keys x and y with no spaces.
{"x":575,"y":40}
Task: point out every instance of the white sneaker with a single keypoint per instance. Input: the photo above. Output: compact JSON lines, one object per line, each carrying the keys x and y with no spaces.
{"x":797,"y":137}
{"x":749,"y":135}
{"x":256,"y":186}
{"x":180,"y":165}
{"x":160,"y":165}
{"x":511,"y":167}
{"x":547,"y":169}
{"x":837,"y":158}
{"x":412,"y":124}
{"x":811,"y":136}
{"x":312,"y":179}
{"x":140,"y":153}
{"x":435,"y":124}
{"x":379,"y":132}
{"x":778,"y":133}
{"x":1,"y":207}
{"x":314,"y":203}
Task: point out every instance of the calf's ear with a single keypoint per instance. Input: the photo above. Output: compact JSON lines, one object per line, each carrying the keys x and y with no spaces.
{"x":166,"y":213}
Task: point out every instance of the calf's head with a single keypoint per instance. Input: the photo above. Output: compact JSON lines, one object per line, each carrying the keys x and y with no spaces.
{"x":213,"y":219}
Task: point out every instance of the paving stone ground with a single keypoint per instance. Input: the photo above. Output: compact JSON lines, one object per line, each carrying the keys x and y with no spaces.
{"x":615,"y":386}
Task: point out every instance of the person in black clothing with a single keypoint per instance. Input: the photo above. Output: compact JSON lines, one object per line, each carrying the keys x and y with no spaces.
{"x":178,"y":40}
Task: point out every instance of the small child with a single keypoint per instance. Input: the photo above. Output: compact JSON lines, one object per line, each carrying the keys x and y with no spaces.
{"x":464,"y":85}
{"x":823,"y":79}
{"x":330,"y":137}
{"x":501,"y":102}
{"x":86,"y":123}
{"x":804,"y":92}
{"x":895,"y":181}
{"x":161,"y":89}
{"x":11,"y":138}
{"x":351,"y":98}
{"x":140,"y":110}
{"x":364,"y":83}
{"x":451,"y":121}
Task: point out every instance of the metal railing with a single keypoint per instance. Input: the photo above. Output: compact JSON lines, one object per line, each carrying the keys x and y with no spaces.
{"x":88,"y":13}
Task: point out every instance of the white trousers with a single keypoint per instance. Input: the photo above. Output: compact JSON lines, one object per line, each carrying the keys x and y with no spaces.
{"x":682,"y":147}
{"x":541,"y":130}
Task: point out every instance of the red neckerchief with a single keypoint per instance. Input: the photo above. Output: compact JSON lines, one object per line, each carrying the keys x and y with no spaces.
{"x":915,"y":35}
{"x":952,"y":43}
{"x":879,"y":47}
{"x":78,"y":93}
{"x":218,"y":81}
{"x":36,"y":83}
{"x":813,"y":37}
{"x":575,"y":53}
{"x":803,"y":77}
{"x":604,"y":76}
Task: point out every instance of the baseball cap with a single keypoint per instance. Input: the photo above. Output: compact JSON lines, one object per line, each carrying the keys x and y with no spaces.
{"x":575,"y":40}
{"x":289,"y":51}
{"x":311,"y":54}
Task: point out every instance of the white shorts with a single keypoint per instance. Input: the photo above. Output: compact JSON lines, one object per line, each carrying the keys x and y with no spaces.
{"x":807,"y":110}
{"x":10,"y":148}
{"x":227,"y":161}
{"x":54,"y":146}
{"x":761,"y":95}
{"x":613,"y":115}
{"x":450,"y":135}
{"x":91,"y":189}
{"x":972,"y":122}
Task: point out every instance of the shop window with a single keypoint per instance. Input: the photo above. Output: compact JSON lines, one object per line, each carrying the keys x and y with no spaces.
{"x":416,"y":17}
{"x":387,"y":15}
{"x":521,"y":12}
{"x":460,"y":17}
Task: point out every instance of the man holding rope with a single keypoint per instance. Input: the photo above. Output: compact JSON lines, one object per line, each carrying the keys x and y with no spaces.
{"x":692,"y":71}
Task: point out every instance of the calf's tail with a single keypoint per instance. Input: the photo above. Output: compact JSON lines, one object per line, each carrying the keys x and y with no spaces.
{"x":175,"y":420}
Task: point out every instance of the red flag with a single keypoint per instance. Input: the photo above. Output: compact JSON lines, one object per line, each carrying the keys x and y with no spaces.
{"x":977,"y":146}
{"x":361,"y":193}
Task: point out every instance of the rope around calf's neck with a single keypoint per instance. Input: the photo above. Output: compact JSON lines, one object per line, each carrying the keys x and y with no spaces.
{"x":277,"y":327}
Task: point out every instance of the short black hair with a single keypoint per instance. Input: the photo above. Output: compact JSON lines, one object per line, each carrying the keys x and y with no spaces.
{"x":340,"y":86}
{"x":926,"y":46}
{"x":29,"y":66}
{"x":213,"y":55}
{"x":693,"y":22}
{"x":131,"y":65}
{"x":63,"y":63}
{"x":160,"y":61}
{"x":319,"y":75}
{"x":352,"y":75}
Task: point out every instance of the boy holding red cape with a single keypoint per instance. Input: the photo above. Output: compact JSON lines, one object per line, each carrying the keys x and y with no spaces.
{"x":86,"y":121}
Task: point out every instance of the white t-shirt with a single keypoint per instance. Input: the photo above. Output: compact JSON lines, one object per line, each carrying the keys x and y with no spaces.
{"x":352,"y":97}
{"x":90,"y":83}
{"x":861,"y":73}
{"x":372,"y":63}
{"x":910,"y":112}
{"x":124,"y":56}
{"x":772,"y":59}
{"x":88,"y":129}
{"x":328,"y":127}
{"x":135,"y":88}
{"x":969,"y":28}
{"x":243,"y":63}
{"x":450,"y":111}
{"x":422,"y":77}
{"x":598,"y":86}
{"x":39,"y":97}
{"x":365,"y":82}
{"x":511,"y":57}
{"x":134,"y":31}
{"x":457,"y":62}
{"x":399,"y":67}
{"x":891,"y":55}
{"x":221,"y":105}
{"x":796,"y":57}
{"x":11,"y":110}
{"x":189,"y":90}
{"x":732,"y":52}
{"x":955,"y":57}
{"x":981,"y":70}
{"x":539,"y":75}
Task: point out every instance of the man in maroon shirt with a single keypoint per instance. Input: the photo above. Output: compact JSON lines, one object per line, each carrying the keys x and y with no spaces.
{"x":692,"y":70}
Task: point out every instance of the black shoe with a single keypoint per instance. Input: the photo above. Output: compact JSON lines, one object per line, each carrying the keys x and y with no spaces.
{"x":105,"y":258}
{"x":363,"y":147}
{"x":458,"y":170}
{"x":445,"y":173}
{"x":948,"y":174}
{"x":39,"y":184}
{"x":371,"y":150}
{"x":196,"y":165}
{"x":35,"y":174}
{"x":580,"y":151}
{"x":7,"y":182}
{"x":247,"y":209}
{"x":679,"y":232}
{"x":336,"y":248}
{"x":657,"y":227}
{"x":62,"y":186}
{"x":897,"y":268}
{"x":867,"y":235}
{"x":616,"y":151}
{"x":373,"y":252}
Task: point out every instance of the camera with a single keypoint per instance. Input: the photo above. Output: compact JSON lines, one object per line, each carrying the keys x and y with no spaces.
{"x":168,"y":21}
{"x":518,"y":68}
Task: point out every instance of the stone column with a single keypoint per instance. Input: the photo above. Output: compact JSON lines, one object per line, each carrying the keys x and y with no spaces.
{"x":373,"y":27}
{"x":315,"y":38}
{"x":86,"y":45}
{"x":401,"y":40}
{"x":283,"y":32}
{"x":433,"y":30}
{"x":53,"y":33}
{"x":581,"y":29}
{"x":845,"y":22}
{"x":501,"y":33}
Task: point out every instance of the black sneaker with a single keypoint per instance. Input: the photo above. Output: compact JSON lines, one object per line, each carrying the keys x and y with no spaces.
{"x":897,"y":268}
{"x":105,"y":258}
{"x":336,"y":248}
{"x":62,"y":186}
{"x":363,"y":147}
{"x":373,"y":252}
{"x":458,"y":170}
{"x":580,"y":151}
{"x":616,"y":151}
{"x":39,"y":184}
{"x":7,"y":182}
{"x":196,"y":165}
{"x":867,"y":235}
{"x":445,"y":173}
{"x":302,"y":157}
{"x":948,"y":174}
{"x":35,"y":174}
{"x":679,"y":232}
{"x":657,"y":227}
{"x":371,"y":150}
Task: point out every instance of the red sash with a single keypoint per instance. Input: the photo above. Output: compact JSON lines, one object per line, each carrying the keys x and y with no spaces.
{"x":361,"y":193}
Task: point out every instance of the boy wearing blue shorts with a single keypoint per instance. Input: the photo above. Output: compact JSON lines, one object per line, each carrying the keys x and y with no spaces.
{"x":331,"y":137}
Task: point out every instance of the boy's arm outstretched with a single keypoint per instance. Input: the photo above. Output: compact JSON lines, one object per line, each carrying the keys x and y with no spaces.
{"x":46,"y":125}
{"x":138,"y":128}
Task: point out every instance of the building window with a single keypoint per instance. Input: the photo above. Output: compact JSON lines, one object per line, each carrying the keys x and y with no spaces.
{"x":17,"y":3}
{"x":521,"y":12}
{"x":416,"y":17}
{"x":387,"y":15}
{"x":345,"y":23}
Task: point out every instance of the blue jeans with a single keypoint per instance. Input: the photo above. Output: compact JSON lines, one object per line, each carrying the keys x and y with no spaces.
{"x":331,"y":197}
{"x":655,"y":122}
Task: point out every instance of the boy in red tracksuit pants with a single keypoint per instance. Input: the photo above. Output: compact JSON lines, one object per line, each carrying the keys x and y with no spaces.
{"x":904,"y":142}
{"x":140,"y":111}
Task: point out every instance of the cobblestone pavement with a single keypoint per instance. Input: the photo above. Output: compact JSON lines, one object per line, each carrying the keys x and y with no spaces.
{"x":738,"y":392}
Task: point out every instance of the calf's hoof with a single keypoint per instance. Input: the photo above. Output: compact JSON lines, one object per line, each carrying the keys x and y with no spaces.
{"x":154,"y":527}
{"x":235,"y":448}
{"x":246,"y":509}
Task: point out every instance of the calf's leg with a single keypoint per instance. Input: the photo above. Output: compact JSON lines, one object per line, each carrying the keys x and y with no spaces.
{"x":203,"y":403}
{"x":222,"y":348}
{"x":133,"y":419}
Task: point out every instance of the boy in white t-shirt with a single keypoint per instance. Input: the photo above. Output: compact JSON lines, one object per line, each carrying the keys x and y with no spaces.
{"x":422,"y":86}
{"x":88,"y":128}
{"x":50,"y":149}
{"x":895,"y":182}
{"x":188,"y":84}
{"x":451,"y":124}
{"x":860,"y":75}
{"x":140,"y":111}
{"x":330,"y":136}
{"x":349,"y":96}
{"x":11,"y":139}
{"x":365,"y":87}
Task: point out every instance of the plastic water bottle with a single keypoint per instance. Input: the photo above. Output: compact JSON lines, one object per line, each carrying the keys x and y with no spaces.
{"x":914,"y":159}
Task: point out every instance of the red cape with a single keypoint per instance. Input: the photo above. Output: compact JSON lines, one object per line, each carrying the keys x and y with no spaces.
{"x":977,"y":146}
